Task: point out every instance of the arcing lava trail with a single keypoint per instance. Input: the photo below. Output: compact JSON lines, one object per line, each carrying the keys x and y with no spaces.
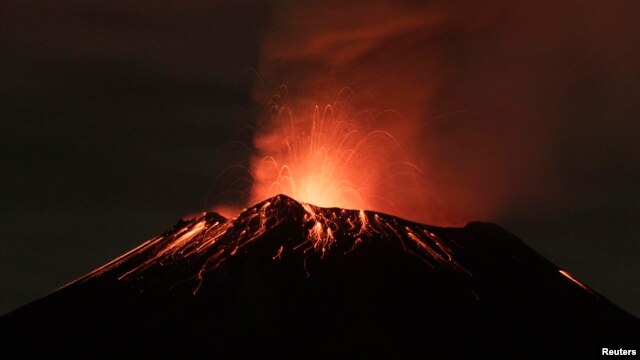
{"x":291,"y":278}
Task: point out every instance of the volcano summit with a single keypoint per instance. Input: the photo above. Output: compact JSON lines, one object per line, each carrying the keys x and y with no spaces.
{"x":288,"y":278}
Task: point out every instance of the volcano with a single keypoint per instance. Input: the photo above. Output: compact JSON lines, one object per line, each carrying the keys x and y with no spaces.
{"x":288,"y":278}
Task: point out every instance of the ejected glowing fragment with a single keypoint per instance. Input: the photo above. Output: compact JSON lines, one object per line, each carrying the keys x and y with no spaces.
{"x":574,"y":280}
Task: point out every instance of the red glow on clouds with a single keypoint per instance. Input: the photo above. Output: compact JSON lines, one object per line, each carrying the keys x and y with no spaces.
{"x":484,"y":93}
{"x":464,"y":120}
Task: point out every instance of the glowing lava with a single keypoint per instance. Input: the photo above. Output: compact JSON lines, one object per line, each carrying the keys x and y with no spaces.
{"x":208,"y":240}
{"x":332,"y":158}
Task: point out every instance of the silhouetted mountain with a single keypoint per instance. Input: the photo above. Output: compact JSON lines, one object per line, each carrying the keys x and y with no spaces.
{"x":285,"y":278}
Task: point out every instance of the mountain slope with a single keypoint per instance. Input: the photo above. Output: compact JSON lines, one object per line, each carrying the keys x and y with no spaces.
{"x":294,"y":279}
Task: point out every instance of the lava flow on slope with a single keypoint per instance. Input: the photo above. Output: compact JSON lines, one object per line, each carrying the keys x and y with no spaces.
{"x":285,"y":277}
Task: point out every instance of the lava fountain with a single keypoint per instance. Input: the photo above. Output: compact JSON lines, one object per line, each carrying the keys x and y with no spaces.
{"x":331,"y":156}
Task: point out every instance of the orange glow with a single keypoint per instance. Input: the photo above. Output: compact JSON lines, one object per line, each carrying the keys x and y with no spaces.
{"x":574,"y":280}
{"x":330,"y":156}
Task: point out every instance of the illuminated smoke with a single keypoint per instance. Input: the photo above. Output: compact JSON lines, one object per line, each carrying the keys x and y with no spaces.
{"x":332,"y":152}
{"x":475,"y":145}
{"x":489,"y":99}
{"x":330,"y":156}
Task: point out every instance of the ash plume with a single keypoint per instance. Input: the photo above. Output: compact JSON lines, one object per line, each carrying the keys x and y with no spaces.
{"x":491,"y":95}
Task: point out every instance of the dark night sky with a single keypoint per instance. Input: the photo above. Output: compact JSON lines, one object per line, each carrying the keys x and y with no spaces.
{"x":116,"y":119}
